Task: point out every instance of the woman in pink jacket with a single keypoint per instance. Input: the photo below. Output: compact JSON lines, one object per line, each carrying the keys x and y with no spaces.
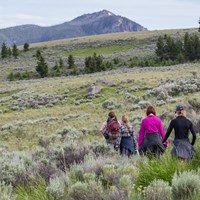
{"x":151,"y":134}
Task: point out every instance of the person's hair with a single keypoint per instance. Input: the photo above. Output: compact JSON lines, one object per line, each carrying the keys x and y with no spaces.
{"x":150,"y":110}
{"x":111,"y":114}
{"x":125,"y":120}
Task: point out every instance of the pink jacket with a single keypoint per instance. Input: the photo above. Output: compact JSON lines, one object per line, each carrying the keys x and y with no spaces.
{"x":151,"y":124}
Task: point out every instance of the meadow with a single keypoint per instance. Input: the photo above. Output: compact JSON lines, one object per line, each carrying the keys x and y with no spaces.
{"x":50,"y":143}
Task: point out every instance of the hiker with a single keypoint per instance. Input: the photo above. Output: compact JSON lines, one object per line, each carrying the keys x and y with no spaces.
{"x":126,"y":141}
{"x":110,"y":128}
{"x":182,"y":147}
{"x":151,"y":134}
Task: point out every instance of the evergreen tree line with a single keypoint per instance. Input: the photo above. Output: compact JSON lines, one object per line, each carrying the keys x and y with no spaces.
{"x":169,"y":51}
{"x":94,"y":64}
{"x":7,"y":52}
{"x":187,"y":49}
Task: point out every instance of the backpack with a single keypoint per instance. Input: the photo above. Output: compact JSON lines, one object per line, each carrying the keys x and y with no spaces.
{"x":113,"y":129}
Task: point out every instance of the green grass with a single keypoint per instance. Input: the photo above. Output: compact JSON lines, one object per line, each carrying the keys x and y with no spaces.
{"x":112,"y":36}
{"x":99,"y":50}
{"x":90,"y":115}
{"x":165,"y":167}
{"x":157,"y":169}
{"x":33,"y":191}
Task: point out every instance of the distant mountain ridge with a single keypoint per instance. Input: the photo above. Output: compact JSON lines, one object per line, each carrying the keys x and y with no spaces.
{"x":88,"y":24}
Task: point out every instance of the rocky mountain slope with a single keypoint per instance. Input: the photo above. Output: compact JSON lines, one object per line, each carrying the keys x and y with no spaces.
{"x":88,"y":24}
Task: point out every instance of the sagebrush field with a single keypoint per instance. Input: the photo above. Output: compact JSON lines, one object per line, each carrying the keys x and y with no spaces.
{"x":50,"y":143}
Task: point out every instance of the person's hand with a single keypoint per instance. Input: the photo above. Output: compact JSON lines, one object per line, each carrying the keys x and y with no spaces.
{"x":116,"y":147}
{"x":106,"y":136}
{"x":165,"y":145}
{"x":136,"y":152}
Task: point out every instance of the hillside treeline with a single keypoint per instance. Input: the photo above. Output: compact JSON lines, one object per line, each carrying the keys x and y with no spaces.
{"x":171,"y":49}
{"x":168,"y":51}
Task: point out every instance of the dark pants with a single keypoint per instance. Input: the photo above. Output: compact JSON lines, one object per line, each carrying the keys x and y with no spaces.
{"x":126,"y":146}
{"x":152,"y":145}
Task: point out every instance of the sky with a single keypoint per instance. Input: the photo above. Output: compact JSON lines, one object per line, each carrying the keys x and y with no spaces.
{"x":152,"y":14}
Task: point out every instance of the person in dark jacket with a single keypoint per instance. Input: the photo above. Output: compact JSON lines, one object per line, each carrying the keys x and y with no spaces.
{"x":182,"y":147}
{"x":126,"y":140}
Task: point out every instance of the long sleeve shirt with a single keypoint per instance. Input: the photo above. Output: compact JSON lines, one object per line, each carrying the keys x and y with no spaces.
{"x":181,"y":126}
{"x":124,"y":131}
{"x":151,"y":124}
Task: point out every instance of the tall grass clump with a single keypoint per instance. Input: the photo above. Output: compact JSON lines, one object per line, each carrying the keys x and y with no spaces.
{"x":195,"y":162}
{"x":33,"y":191}
{"x":186,"y":186}
{"x":159,"y":168}
{"x":158,"y":190}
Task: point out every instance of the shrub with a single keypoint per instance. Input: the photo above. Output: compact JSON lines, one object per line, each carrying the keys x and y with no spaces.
{"x":68,"y":131}
{"x":46,"y":170}
{"x":186,"y":185}
{"x":16,"y":168}
{"x":70,"y":156}
{"x":76,"y":174}
{"x":125,"y":182}
{"x":128,"y":169}
{"x":93,"y":164}
{"x":100,"y":148}
{"x":159,"y":190}
{"x":56,"y":188}
{"x":89,"y":177}
{"x":131,"y":98}
{"x":116,"y":193}
{"x":194,"y":103}
{"x":110,"y":176}
{"x":85,"y":191}
{"x":6,"y":192}
{"x":110,"y":103}
{"x":144,"y":104}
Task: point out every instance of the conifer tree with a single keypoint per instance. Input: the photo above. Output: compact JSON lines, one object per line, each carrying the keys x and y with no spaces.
{"x":42,"y":67}
{"x":57,"y":67}
{"x":71,"y":61}
{"x":15,"y":51}
{"x":160,"y":48}
{"x":4,"y":51}
{"x":60,"y":63}
{"x":94,"y":64}
{"x":9,"y":52}
{"x":38,"y":54}
{"x":26,"y":46}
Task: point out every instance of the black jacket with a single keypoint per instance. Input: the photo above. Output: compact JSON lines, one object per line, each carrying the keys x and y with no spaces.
{"x":181,"y":126}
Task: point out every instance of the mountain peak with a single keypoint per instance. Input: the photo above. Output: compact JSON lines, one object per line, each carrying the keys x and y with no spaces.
{"x":106,"y":12}
{"x":86,"y":18}
{"x":95,"y":23}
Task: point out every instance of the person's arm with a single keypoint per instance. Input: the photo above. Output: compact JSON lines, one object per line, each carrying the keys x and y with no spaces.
{"x":162,"y":132}
{"x":103,"y":127}
{"x":169,"y":130}
{"x":118,"y":140}
{"x":133,"y":138}
{"x":141,"y":134}
{"x":193,"y":133}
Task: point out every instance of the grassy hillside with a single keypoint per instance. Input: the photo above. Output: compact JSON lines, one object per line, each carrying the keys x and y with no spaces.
{"x":49,"y":127}
{"x":119,"y":45}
